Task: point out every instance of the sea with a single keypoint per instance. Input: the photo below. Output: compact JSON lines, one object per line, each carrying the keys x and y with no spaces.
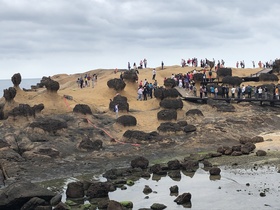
{"x":25,"y":83}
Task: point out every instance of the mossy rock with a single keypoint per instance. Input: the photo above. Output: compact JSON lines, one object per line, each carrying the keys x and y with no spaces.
{"x":127,"y":204}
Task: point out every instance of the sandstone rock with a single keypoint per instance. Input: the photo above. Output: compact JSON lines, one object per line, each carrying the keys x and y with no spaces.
{"x":161,"y":93}
{"x":141,"y":135}
{"x":83,"y":109}
{"x":174,"y":174}
{"x":158,"y":206}
{"x":194,"y":112}
{"x":169,"y":83}
{"x":268,"y":77}
{"x":49,"y":124}
{"x":99,"y":190}
{"x":116,"y":84}
{"x":183,"y":199}
{"x":174,"y":165}
{"x":236,"y":81}
{"x":190,"y":165}
{"x":9,"y":94}
{"x":16,"y":79}
{"x":75,"y":190}
{"x":89,"y":145}
{"x":223,"y":72}
{"x":140,"y":162}
{"x":169,"y":127}
{"x":18,"y":193}
{"x":147,"y":190}
{"x":215,"y":171}
{"x":174,"y":189}
{"x":189,"y":128}
{"x":167,"y":115}
{"x":171,"y":103}
{"x":261,"y":153}
{"x":127,"y":120}
{"x":121,"y":101}
{"x":33,"y":203}
{"x":130,"y":76}
{"x":155,"y":169}
{"x":236,"y":153}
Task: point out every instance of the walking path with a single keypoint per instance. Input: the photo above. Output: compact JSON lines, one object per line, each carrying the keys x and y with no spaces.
{"x":264,"y":70}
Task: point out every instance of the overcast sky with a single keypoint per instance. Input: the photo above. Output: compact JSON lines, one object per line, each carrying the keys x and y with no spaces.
{"x":44,"y":38}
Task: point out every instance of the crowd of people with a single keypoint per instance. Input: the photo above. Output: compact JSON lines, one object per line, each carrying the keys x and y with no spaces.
{"x":86,"y":80}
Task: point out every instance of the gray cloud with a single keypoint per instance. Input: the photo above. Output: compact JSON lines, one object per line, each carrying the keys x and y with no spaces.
{"x":49,"y":34}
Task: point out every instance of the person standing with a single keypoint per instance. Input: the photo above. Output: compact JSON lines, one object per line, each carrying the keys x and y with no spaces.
{"x":276,"y":93}
{"x":233,"y":92}
{"x":145,"y":62}
{"x":260,"y":90}
{"x":253,"y":62}
{"x":216,"y":92}
{"x":128,"y":65}
{"x":162,"y":64}
{"x":154,"y":74}
{"x":116,"y":109}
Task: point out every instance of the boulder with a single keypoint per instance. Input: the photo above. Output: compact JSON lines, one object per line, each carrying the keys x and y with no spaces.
{"x":16,"y":79}
{"x":140,"y":162}
{"x":185,"y":198}
{"x":236,"y":81}
{"x":189,"y":128}
{"x":141,"y":135}
{"x":171,"y":103}
{"x":161,"y":93}
{"x":215,"y":171}
{"x":223,"y":72}
{"x":89,"y":145}
{"x":268,"y":77}
{"x":176,"y":174}
{"x":121,"y":101}
{"x":25,"y":110}
{"x":114,"y":205}
{"x":276,"y":66}
{"x":221,"y":106}
{"x":83,"y":109}
{"x":75,"y":190}
{"x":166,"y":114}
{"x":194,"y":112}
{"x":169,"y":83}
{"x":99,"y":190}
{"x":127,"y":120}
{"x":33,"y":203}
{"x":49,"y":124}
{"x":169,"y":127}
{"x":155,"y":169}
{"x":116,"y":84}
{"x":51,"y":85}
{"x":198,"y":77}
{"x":9,"y":94}
{"x":174,"y":189}
{"x":130,"y":76}
{"x":158,"y":206}
{"x":190,"y":165}
{"x":147,"y":190}
{"x":261,"y":153}
{"x":18,"y":193}
{"x":174,"y":165}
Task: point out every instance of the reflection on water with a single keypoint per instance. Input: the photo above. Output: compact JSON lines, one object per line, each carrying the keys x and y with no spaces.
{"x":234,"y":189}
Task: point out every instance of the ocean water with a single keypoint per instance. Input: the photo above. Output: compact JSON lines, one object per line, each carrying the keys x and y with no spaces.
{"x":25,"y":83}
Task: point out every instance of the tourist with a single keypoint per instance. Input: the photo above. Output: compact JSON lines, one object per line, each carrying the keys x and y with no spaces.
{"x":121,"y":76}
{"x":116,"y":109}
{"x":140,"y":93}
{"x":162,"y":64}
{"x":194,"y":90}
{"x":249,"y":91}
{"x":226,"y":91}
{"x":239,"y":91}
{"x":145,"y":92}
{"x":260,"y":90}
{"x":201,"y":91}
{"x":237,"y":64}
{"x":216,"y":92}
{"x":243,"y":90}
{"x":253,"y":62}
{"x":265,"y":92}
{"x":154,"y":74}
{"x":128,"y":65}
{"x":145,"y":62}
{"x":150,"y":92}
{"x":255,"y":92}
{"x":205,"y":91}
{"x":141,"y":64}
{"x":223,"y":91}
{"x":81,"y":82}
{"x":233,"y":92}
{"x":212,"y":91}
{"x":276,"y":93}
{"x":155,"y":84}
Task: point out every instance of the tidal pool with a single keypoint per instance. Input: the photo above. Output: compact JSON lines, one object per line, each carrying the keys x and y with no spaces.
{"x":234,"y":189}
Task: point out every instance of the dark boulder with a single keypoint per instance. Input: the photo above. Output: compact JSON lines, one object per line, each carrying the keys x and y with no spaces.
{"x":236,"y":81}
{"x":140,"y":162}
{"x":130,"y":76}
{"x":171,"y":103}
{"x":127,"y":120}
{"x":261,"y":153}
{"x":49,"y":124}
{"x":174,"y":165}
{"x":276,"y":66}
{"x":169,"y":127}
{"x":141,"y":135}
{"x":190,"y":165}
{"x":222,"y":149}
{"x":116,"y":84}
{"x":38,"y":108}
{"x":182,"y":123}
{"x":185,"y":198}
{"x":194,"y":112}
{"x":18,"y":193}
{"x":158,"y":206}
{"x":167,"y":114}
{"x":221,"y":106}
{"x":114,"y":205}
{"x":83,"y":109}
{"x":155,"y":169}
{"x":236,"y":148}
{"x":223,"y":72}
{"x":174,"y":189}
{"x":121,"y":101}
{"x":255,"y":139}
{"x":16,"y":79}
{"x":249,"y":145}
{"x":169,"y":83}
{"x":198,"y":77}
{"x":10,"y":94}
{"x":215,"y":171}
{"x":75,"y":190}
{"x":147,"y":190}
{"x":25,"y":110}
{"x":189,"y":128}
{"x":51,"y":85}
{"x":99,"y":190}
{"x":268,"y":77}
{"x":176,"y":174}
{"x":33,"y":203}
{"x":89,"y":145}
{"x":161,"y":93}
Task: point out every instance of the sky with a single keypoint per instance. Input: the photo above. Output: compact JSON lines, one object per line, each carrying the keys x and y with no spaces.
{"x":44,"y":38}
